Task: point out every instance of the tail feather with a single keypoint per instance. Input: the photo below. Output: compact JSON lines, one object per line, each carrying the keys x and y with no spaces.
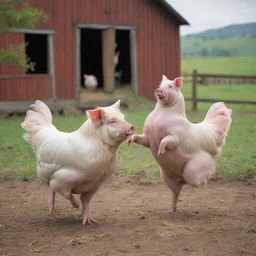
{"x":39,"y":116}
{"x":219,"y":116}
{"x":42,"y":108}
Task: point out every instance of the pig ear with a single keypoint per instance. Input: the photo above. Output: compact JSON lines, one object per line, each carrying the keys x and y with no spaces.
{"x":164,"y":78}
{"x":96,"y":116}
{"x":117,"y":104}
{"x":178,"y":82}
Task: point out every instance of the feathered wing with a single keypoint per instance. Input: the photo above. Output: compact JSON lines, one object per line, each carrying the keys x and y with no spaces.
{"x":219,"y":118}
{"x":36,"y":118}
{"x":46,"y":170}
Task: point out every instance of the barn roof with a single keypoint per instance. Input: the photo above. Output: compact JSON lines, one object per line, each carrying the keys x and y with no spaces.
{"x":173,"y":12}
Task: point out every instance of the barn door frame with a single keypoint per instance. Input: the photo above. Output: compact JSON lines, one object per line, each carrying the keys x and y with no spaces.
{"x":108,"y":53}
{"x":133,"y":52}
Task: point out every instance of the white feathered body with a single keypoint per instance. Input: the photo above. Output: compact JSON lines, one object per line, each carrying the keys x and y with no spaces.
{"x":74,"y":162}
{"x":66,"y":160}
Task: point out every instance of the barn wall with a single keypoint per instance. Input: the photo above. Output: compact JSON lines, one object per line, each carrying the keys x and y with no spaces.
{"x":9,"y":39}
{"x":25,"y":87}
{"x":157,"y":39}
{"x":14,"y":83}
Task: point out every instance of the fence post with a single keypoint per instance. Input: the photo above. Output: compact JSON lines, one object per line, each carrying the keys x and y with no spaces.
{"x":194,"y":90}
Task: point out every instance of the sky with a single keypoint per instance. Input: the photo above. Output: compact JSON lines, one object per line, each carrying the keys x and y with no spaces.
{"x":209,"y":14}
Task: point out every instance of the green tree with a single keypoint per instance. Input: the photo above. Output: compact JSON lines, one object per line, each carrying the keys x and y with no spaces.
{"x":16,"y":14}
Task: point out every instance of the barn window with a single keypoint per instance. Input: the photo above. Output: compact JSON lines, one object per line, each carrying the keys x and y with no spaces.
{"x":37,"y":51}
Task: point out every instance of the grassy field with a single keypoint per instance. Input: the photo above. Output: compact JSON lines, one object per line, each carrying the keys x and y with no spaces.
{"x":239,"y":156}
{"x":223,"y":92}
{"x":234,"y":65}
{"x":231,"y":65}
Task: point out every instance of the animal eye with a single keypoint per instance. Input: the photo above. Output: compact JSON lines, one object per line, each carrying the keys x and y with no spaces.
{"x":112,"y":121}
{"x":170,"y":86}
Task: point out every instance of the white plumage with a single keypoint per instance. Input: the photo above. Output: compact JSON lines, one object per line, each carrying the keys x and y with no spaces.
{"x":90,"y":82}
{"x":76,"y":162}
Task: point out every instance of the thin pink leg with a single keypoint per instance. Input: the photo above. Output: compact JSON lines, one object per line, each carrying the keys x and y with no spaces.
{"x":51,"y":202}
{"x":173,"y":206}
{"x":175,"y":188}
{"x":85,"y":200}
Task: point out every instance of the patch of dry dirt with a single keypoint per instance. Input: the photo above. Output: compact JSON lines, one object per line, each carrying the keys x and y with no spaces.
{"x":218,"y":219}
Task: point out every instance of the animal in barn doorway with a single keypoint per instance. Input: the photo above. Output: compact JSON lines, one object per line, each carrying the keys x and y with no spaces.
{"x":116,"y":58}
{"x":186,"y":152}
{"x":90,"y":82}
{"x":118,"y":78}
{"x":118,"y":71}
{"x":80,"y":161}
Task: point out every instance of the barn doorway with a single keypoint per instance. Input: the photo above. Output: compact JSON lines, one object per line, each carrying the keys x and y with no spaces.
{"x":122,"y":58}
{"x":109,"y":53}
{"x":91,"y":55}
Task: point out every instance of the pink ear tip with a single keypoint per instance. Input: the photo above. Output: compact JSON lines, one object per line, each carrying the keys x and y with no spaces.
{"x":95,"y":113}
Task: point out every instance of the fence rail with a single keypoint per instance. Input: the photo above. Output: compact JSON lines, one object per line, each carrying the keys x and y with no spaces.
{"x":200,"y":78}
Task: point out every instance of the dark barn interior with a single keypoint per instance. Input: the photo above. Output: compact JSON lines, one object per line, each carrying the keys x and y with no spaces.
{"x":91,"y":54}
{"x":37,"y":52}
{"x":123,"y":67}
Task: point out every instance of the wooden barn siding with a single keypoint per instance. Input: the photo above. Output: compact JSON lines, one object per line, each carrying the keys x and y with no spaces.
{"x":25,"y":88}
{"x":15,"y":84}
{"x":22,"y":86}
{"x":11,"y":39}
{"x":157,"y":37}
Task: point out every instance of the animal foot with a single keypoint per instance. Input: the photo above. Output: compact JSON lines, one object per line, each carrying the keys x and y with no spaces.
{"x":88,"y":220}
{"x":132,"y":139}
{"x":161,"y":149}
{"x":172,"y":209}
{"x":50,"y":208}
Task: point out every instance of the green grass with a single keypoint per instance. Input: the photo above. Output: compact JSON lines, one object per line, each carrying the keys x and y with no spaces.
{"x":231,"y":65}
{"x":223,"y":92}
{"x":239,"y":156}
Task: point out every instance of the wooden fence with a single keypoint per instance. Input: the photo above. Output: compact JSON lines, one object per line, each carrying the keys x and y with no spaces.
{"x":208,"y":79}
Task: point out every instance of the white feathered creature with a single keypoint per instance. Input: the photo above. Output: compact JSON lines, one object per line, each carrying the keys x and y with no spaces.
{"x":76,"y":162}
{"x":90,"y":82}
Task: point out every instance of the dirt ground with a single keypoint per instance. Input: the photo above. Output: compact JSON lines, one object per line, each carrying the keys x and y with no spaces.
{"x":217,"y":219}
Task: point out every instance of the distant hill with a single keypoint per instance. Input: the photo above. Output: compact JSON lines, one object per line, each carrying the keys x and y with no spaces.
{"x":232,"y":31}
{"x":233,"y":40}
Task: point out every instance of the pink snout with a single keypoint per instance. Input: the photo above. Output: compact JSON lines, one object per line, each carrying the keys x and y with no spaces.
{"x":160,"y":93}
{"x":127,"y":130}
{"x":130,"y":130}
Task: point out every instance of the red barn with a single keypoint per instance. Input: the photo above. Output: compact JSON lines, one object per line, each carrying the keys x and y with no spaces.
{"x":83,"y":36}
